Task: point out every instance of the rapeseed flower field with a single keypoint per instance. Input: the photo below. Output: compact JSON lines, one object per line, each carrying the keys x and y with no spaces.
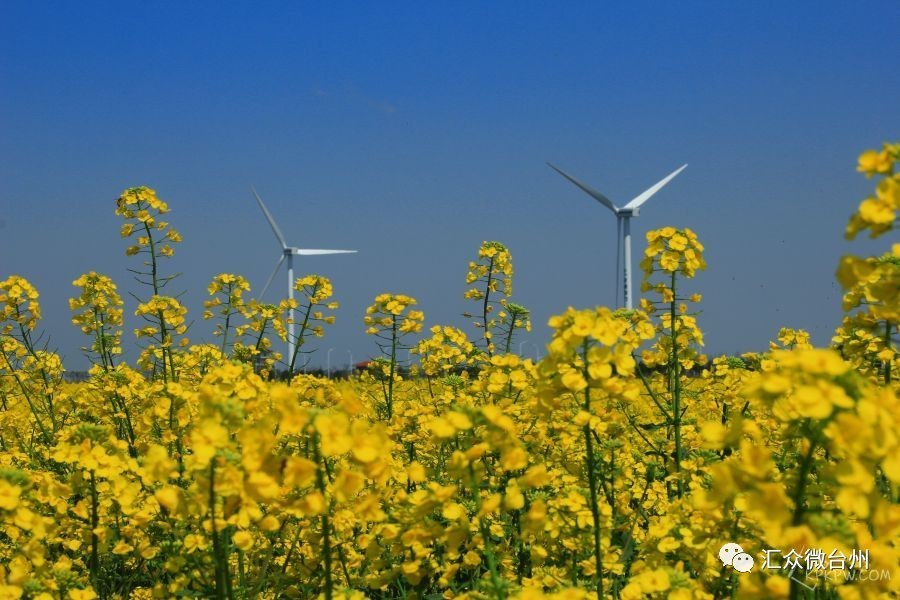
{"x":619,"y":466}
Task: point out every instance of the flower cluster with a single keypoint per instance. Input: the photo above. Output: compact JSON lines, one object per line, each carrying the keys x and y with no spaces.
{"x":872,"y":284}
{"x":670,"y":250}
{"x":390,"y":312}
{"x":447,"y":350}
{"x":494,"y":266}
{"x":98,"y":312}
{"x":171,"y":316}
{"x":878,"y":213}
{"x":489,"y":276}
{"x":142,"y":209}
{"x":19,"y":300}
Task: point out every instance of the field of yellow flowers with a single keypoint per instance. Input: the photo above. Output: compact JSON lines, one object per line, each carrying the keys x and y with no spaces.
{"x":616,"y":467}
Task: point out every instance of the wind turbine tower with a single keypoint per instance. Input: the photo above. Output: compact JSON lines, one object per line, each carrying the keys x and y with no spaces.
{"x":288,"y":253}
{"x":623,"y":224}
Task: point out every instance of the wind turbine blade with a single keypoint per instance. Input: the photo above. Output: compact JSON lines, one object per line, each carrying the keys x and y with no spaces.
{"x":586,"y":188}
{"x":636,"y":203}
{"x":312,"y":252}
{"x":271,"y":277}
{"x":269,"y":218}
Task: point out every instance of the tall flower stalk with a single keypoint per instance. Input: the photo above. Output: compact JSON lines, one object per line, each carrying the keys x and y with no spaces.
{"x":590,"y":361}
{"x":314,"y":292}
{"x":154,"y":238}
{"x":390,"y":319}
{"x":227,"y":301}
{"x":672,"y":253}
{"x":490,"y":278}
{"x":37,"y":372}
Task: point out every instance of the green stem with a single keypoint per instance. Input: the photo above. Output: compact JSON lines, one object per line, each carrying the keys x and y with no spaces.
{"x":675,"y":378}
{"x":523,"y":562}
{"x":227,"y":325}
{"x":589,"y":464}
{"x":390,"y":392}
{"x":101,"y":343}
{"x":484,"y":307}
{"x":298,"y":341}
{"x":163,"y":331}
{"x":37,"y":419}
{"x":889,"y":344}
{"x":326,"y":526}
{"x":799,"y":498}
{"x":262,"y":333}
{"x":650,"y":391}
{"x":221,"y":568}
{"x":48,"y":393}
{"x":802,"y":481}
{"x":486,"y":538}
{"x":290,"y":553}
{"x":258,"y":345}
{"x":242,"y":578}
{"x":95,"y":522}
{"x":263,"y":578}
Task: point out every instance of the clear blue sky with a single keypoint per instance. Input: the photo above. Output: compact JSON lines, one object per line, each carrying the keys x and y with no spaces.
{"x":413,"y":131}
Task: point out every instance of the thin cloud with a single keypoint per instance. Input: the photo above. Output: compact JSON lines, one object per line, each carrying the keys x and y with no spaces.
{"x":353,"y":94}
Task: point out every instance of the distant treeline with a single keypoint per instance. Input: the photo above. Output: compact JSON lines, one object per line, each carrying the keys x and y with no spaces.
{"x":403,"y":371}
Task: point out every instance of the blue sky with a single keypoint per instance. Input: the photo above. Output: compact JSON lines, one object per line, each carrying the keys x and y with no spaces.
{"x":413,"y":131}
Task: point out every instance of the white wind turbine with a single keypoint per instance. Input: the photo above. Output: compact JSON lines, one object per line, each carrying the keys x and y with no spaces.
{"x":623,"y":222}
{"x":288,"y":252}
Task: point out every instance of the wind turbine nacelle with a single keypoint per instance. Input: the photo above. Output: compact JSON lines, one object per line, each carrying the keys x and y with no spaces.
{"x":628,"y":212}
